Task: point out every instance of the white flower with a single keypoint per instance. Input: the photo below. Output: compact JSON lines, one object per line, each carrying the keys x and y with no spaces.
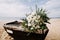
{"x":37,"y":27}
{"x":29,"y":18}
{"x":29,"y":24}
{"x":32,"y":28}
{"x":38,"y":16}
{"x":33,"y":25}
{"x":34,"y":18}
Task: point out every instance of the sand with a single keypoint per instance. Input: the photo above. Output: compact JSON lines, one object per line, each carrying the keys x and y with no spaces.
{"x":53,"y":34}
{"x":3,"y":33}
{"x":54,"y":30}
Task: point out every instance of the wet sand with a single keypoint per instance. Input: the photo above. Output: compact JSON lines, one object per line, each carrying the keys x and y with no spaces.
{"x":53,"y":34}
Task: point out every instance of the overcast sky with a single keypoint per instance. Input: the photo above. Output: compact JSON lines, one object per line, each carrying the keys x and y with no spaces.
{"x":18,"y":8}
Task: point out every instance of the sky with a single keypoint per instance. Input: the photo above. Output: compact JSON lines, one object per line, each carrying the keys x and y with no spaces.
{"x":18,"y":8}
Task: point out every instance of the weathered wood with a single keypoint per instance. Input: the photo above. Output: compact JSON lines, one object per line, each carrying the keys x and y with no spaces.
{"x":20,"y":34}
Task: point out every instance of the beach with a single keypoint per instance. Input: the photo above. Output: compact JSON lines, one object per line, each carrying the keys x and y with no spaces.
{"x":54,"y":30}
{"x":53,"y":34}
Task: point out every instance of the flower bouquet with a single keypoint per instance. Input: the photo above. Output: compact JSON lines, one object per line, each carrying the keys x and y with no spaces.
{"x":33,"y":26}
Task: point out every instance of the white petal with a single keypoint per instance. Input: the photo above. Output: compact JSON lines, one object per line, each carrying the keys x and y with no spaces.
{"x":29,"y":24}
{"x":32,"y":28}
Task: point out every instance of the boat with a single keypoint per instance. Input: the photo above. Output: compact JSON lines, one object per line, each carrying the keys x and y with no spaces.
{"x":14,"y":30}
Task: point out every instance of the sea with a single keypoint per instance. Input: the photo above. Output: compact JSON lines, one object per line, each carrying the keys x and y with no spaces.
{"x":19,"y":18}
{"x":11,"y":18}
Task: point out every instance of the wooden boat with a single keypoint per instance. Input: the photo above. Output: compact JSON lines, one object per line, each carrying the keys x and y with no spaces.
{"x":13,"y":30}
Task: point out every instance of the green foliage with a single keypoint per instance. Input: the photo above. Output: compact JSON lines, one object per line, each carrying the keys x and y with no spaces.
{"x":41,"y":21}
